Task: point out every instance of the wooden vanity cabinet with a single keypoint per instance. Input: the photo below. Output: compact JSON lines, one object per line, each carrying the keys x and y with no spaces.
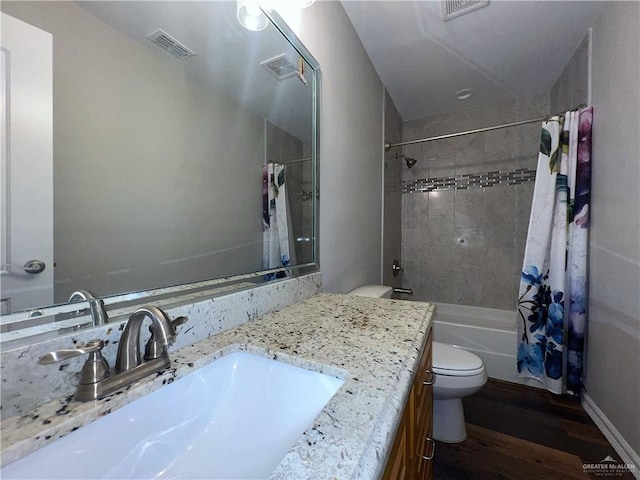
{"x":413,"y":449}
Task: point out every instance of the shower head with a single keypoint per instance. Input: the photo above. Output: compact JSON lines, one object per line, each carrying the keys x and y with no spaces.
{"x":410,"y":161}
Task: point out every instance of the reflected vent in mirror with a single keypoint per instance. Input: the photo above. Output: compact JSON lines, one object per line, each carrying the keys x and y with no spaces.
{"x":454,"y":8}
{"x":280,"y":67}
{"x":171,"y":45}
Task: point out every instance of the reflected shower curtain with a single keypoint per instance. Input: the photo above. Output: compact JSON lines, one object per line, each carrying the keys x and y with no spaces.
{"x":275,"y":225}
{"x":552,"y":303}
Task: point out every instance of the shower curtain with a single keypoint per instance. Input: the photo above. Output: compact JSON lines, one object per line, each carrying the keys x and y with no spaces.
{"x":275,"y":223}
{"x":552,"y":303}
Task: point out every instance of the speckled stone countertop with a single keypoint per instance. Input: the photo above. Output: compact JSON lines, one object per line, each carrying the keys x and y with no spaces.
{"x":373,"y":344}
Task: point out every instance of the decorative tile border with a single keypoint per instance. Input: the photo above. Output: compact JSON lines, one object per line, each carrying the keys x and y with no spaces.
{"x":466,"y":181}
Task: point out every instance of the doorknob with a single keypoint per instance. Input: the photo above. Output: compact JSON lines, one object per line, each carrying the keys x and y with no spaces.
{"x":30,"y":266}
{"x":34,"y":266}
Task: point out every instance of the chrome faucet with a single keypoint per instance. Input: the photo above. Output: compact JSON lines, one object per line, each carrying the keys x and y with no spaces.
{"x":96,"y":380}
{"x":98,"y":310}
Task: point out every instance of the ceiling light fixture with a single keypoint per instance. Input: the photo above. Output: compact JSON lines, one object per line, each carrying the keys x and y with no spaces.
{"x":250,"y":15}
{"x":464,"y":94}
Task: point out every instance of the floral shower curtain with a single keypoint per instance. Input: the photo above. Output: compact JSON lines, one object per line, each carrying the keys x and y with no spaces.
{"x":275,"y":227}
{"x":552,"y":303}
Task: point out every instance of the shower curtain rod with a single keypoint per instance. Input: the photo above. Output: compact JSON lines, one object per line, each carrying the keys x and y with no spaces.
{"x":292,"y":161}
{"x":387,"y":146}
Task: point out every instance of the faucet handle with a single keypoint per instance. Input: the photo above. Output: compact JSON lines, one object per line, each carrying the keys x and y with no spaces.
{"x":65,"y":354}
{"x":95,"y":369}
{"x":174,"y":323}
{"x":153,"y":349}
{"x":179,"y":321}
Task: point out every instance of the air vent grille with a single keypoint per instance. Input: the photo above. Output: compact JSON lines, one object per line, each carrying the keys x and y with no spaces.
{"x":171,"y":45}
{"x":280,"y":67}
{"x":455,"y":8}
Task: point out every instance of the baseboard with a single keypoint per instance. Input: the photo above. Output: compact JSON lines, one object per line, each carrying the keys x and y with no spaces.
{"x":617,"y":441}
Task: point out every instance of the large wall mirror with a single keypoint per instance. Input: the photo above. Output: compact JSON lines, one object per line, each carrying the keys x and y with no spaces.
{"x":149,"y":145}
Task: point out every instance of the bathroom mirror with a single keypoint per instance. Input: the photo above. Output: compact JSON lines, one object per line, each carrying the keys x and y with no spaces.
{"x":133,"y":164}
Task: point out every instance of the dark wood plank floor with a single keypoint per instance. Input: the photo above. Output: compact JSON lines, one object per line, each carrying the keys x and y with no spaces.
{"x":523,"y":433}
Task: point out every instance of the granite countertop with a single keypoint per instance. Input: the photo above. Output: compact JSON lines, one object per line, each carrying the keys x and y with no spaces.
{"x":373,"y":344}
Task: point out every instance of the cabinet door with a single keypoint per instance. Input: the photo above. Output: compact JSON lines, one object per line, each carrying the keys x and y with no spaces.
{"x":424,"y":406}
{"x":398,"y":465}
{"x":406,"y":461}
{"x":423,"y":388}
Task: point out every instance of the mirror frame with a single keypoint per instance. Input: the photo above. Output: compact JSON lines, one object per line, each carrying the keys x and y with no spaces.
{"x":180,"y":293}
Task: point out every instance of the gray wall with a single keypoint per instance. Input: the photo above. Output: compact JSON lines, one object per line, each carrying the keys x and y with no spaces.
{"x":392,"y":240}
{"x":613,"y":376}
{"x":572,"y":87}
{"x":466,"y":246}
{"x":140,"y":177}
{"x":351,"y":156}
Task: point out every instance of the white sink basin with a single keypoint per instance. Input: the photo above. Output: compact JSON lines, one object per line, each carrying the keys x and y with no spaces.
{"x":235,"y":418}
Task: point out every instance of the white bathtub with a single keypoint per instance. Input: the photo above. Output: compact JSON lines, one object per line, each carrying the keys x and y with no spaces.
{"x":487,"y":332}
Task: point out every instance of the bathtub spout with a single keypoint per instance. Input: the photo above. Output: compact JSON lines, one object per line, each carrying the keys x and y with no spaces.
{"x":403,"y":291}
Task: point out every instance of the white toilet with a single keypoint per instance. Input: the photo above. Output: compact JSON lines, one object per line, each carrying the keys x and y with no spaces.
{"x":457,"y":373}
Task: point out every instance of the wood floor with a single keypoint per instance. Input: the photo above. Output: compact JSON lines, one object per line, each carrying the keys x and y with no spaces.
{"x":522,"y":433}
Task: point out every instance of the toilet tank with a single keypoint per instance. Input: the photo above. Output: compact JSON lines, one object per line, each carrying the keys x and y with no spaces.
{"x":376,"y":291}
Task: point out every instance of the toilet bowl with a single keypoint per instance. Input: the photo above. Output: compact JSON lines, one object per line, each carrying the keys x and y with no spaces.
{"x":457,"y":373}
{"x":376,"y":291}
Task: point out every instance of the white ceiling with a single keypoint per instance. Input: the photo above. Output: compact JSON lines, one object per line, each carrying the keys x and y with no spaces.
{"x":507,"y":49}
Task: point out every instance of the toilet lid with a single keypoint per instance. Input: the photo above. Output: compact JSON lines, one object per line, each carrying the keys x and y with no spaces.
{"x":449,"y":360}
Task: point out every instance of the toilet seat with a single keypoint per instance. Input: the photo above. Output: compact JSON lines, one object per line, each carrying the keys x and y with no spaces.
{"x":455,"y":362}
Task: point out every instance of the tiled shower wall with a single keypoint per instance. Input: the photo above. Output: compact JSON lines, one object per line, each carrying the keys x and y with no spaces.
{"x":466,"y":246}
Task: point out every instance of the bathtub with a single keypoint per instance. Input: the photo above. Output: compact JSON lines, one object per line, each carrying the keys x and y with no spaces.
{"x":487,"y":332}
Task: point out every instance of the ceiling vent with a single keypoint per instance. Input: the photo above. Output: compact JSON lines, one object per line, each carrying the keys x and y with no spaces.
{"x":171,"y":45}
{"x":280,"y":67}
{"x":455,"y":8}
